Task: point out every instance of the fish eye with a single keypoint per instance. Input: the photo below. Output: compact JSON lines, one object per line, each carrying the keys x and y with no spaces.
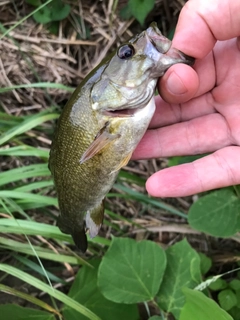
{"x":125,"y":52}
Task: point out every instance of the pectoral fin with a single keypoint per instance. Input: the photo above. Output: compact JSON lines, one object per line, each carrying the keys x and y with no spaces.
{"x":123,"y":163}
{"x":102,"y":139}
{"x":94,"y":219}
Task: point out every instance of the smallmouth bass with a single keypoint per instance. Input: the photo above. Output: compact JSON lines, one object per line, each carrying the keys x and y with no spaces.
{"x":101,"y":125}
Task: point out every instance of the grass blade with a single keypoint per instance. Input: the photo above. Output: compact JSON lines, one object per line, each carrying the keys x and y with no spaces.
{"x":25,"y":18}
{"x":35,"y":185}
{"x":29,"y":298}
{"x":34,"y":170}
{"x":24,"y":151}
{"x":26,"y":125}
{"x":42,"y":253}
{"x":49,"y":85}
{"x":37,"y":268}
{"x":27,"y":227}
{"x":51,"y":291}
{"x":146,"y":199}
{"x":29,"y":197}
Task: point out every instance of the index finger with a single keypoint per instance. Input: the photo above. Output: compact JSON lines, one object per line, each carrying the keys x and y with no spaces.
{"x":201,"y":23}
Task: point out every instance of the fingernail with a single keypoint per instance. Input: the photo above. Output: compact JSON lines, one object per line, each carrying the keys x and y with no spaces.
{"x":175,"y":84}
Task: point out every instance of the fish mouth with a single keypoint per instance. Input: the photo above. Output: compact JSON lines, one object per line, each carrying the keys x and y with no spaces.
{"x":123,"y":113}
{"x":180,"y":56}
{"x":176,"y":55}
{"x":163,"y":46}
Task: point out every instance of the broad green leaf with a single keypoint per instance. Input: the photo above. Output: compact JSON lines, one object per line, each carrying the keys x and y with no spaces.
{"x":56,"y":11}
{"x":156,"y":318}
{"x":238,"y":297}
{"x":125,"y":12}
{"x":141,"y":8}
{"x":205,"y":263}
{"x":235,"y":313}
{"x":200,"y":307}
{"x":235,"y":284}
{"x":43,"y":16}
{"x":50,"y":290}
{"x":217,"y":284}
{"x":217,"y":213}
{"x":183,"y":270}
{"x":227,"y":299}
{"x":59,"y":10}
{"x":85,"y":291}
{"x":135,"y":269}
{"x":13,"y":311}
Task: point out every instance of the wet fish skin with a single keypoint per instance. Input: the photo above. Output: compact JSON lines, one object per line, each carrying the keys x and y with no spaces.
{"x":101,"y":125}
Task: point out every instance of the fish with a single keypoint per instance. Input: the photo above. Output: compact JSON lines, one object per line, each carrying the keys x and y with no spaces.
{"x":101,"y":125}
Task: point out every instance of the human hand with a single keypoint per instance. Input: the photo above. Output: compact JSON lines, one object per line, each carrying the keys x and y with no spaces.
{"x":202,"y":112}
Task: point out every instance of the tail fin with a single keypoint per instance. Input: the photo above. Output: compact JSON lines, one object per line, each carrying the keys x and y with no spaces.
{"x":80,"y":238}
{"x":77,"y":232}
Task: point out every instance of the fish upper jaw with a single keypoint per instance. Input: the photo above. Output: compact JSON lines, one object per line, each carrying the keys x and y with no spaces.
{"x":158,"y":48}
{"x":163,"y":61}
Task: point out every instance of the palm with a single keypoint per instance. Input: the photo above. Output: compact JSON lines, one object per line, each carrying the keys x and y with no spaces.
{"x":226,"y":94}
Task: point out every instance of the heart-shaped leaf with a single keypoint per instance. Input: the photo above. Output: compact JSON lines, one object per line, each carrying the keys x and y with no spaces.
{"x":217,"y":213}
{"x":131,"y":271}
{"x":85,"y":291}
{"x":141,"y":8}
{"x":183,"y":270}
{"x":200,"y":307}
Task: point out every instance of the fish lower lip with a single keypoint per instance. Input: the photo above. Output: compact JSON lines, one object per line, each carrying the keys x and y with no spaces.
{"x":124,"y":113}
{"x":177,"y":54}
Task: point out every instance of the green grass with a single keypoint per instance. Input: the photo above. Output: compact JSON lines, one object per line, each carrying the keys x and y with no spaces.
{"x":27,"y":193}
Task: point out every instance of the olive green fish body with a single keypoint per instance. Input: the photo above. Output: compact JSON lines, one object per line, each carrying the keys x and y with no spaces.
{"x":102,"y":124}
{"x":98,"y":173}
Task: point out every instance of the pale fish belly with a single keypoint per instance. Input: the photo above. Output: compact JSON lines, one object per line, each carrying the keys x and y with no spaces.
{"x":133,"y":128}
{"x":131,"y":131}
